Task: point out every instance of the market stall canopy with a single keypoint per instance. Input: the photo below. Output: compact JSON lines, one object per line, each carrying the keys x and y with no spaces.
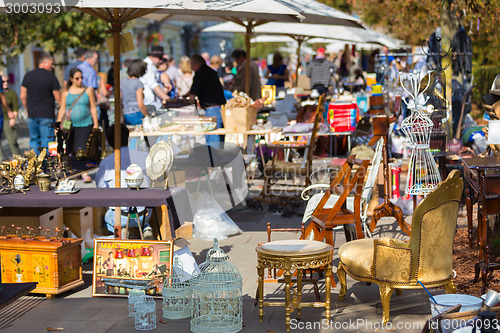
{"x":319,"y":13}
{"x":295,"y":30}
{"x":195,"y":10}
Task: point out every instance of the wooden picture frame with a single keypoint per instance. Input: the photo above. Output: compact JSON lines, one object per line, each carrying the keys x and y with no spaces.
{"x":121,"y":264}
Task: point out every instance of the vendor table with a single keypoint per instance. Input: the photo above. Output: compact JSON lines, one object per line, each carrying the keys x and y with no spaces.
{"x":334,"y":134}
{"x":218,"y":131}
{"x":103,"y":197}
{"x":482,"y":181}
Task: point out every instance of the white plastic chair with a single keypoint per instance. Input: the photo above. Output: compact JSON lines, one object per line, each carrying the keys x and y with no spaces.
{"x":313,"y":201}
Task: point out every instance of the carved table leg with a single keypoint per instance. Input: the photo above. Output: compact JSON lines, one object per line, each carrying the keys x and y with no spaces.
{"x":260,"y":272}
{"x":469,"y":207}
{"x":328,"y":274}
{"x":288,"y":308}
{"x":299,"y":291}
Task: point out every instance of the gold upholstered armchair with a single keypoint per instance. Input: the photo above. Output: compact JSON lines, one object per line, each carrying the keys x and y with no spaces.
{"x":427,"y":257}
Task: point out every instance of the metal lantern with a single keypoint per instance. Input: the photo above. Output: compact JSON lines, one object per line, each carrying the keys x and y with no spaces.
{"x":177,"y":293}
{"x":216,"y":295}
{"x":145,"y":314}
{"x":134,"y":296}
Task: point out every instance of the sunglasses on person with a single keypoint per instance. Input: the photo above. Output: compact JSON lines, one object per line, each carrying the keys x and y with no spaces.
{"x":77,"y":78}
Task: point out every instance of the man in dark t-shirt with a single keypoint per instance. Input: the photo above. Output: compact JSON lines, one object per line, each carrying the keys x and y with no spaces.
{"x":206,"y":86}
{"x":39,"y":92}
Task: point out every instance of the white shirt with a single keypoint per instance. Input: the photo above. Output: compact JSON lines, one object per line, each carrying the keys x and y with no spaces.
{"x":150,"y":80}
{"x":105,"y":176}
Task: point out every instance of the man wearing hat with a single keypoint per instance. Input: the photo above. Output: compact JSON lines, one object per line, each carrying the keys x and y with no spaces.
{"x":153,"y":94}
{"x":320,"y":71}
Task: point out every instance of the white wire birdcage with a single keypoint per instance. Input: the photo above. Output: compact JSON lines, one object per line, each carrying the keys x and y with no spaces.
{"x":145,"y":314}
{"x":177,"y":293}
{"x":216,"y":295}
{"x":423,"y":173}
{"x":134,"y":296}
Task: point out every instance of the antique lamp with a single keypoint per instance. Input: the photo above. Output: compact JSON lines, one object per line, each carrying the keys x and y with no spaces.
{"x":119,"y":254}
{"x":131,"y":253}
{"x":145,"y":251}
{"x":177,"y":293}
{"x":216,"y":295}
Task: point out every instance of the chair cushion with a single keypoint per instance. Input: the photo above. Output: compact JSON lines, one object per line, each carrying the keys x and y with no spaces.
{"x":294,"y":246}
{"x":357,"y":256}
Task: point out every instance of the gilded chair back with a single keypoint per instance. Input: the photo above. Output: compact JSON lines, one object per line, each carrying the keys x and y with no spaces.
{"x":433,"y":230}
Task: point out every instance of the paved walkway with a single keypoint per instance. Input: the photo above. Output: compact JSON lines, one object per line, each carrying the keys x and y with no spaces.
{"x":361,"y":311}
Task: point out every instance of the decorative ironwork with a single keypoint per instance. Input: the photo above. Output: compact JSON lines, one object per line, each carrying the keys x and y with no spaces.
{"x":423,"y":173}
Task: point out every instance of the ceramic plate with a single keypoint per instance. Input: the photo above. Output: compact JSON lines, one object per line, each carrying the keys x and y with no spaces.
{"x":67,"y":192}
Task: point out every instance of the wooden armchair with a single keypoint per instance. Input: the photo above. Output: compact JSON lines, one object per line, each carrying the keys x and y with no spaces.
{"x":369,"y":184}
{"x":303,"y":168}
{"x":427,"y":257}
{"x":324,"y":219}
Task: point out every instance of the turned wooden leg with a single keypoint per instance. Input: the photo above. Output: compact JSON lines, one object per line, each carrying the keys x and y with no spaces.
{"x":260,"y":291}
{"x":299,"y":291}
{"x":328,"y":275}
{"x":288,"y":307}
{"x":342,"y":280}
{"x":385,"y":296}
{"x":450,"y":287}
{"x":469,"y":207}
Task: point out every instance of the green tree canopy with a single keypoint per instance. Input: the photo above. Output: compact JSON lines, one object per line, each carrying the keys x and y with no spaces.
{"x":53,"y":32}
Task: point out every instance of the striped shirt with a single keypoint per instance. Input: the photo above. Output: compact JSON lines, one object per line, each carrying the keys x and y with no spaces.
{"x":320,"y":71}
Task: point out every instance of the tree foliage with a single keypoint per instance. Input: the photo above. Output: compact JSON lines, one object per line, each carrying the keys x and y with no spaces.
{"x":415,"y":20}
{"x":53,"y":32}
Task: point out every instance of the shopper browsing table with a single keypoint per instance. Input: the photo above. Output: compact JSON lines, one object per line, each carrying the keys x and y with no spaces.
{"x":206,"y":86}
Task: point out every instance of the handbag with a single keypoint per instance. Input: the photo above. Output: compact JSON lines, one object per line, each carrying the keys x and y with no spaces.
{"x":66,"y":121}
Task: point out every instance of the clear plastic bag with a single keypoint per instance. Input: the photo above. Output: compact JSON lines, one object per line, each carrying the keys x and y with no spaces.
{"x":211,"y":221}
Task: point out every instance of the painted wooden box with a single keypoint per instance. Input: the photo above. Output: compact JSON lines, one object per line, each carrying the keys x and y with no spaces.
{"x":56,"y":264}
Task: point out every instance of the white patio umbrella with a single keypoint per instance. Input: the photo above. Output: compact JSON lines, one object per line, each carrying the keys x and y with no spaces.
{"x":301,"y":32}
{"x":118,"y":12}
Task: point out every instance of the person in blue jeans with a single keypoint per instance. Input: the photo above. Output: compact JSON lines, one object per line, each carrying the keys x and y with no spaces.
{"x":207,"y":87}
{"x":40,"y":91}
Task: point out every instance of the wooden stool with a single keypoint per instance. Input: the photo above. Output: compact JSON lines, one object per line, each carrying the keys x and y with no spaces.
{"x":288,"y":255}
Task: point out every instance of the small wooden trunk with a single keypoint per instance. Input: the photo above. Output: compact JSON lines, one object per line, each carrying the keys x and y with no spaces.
{"x":55,"y":264}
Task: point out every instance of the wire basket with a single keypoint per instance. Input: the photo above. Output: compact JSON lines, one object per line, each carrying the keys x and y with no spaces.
{"x":177,"y":293}
{"x":216,"y":295}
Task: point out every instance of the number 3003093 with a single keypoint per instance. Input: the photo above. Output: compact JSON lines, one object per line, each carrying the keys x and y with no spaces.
{"x":32,"y":8}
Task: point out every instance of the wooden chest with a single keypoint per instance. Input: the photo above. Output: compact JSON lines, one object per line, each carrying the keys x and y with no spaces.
{"x":56,"y":264}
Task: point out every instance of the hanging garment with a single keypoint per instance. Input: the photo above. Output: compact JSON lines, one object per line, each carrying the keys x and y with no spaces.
{"x":462,"y":53}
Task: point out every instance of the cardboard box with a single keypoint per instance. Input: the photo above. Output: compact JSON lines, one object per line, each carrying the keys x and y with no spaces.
{"x":185,"y":231}
{"x":98,"y":220}
{"x":304,"y":82}
{"x":239,"y":120}
{"x":80,"y":221}
{"x":47,"y":218}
